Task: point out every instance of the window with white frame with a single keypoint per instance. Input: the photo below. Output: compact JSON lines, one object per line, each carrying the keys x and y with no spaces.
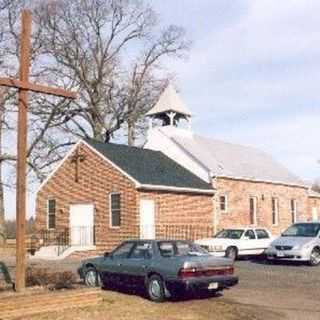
{"x":293,"y":205}
{"x":275,"y":211}
{"x":223,"y":203}
{"x":253,"y":210}
{"x":115,"y":210}
{"x":51,"y":208}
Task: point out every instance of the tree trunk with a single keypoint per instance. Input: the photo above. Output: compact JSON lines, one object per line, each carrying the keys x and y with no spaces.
{"x":1,"y":184}
{"x":131,"y":134}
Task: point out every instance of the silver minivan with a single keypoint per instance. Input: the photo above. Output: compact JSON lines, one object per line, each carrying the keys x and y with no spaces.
{"x":300,"y":242}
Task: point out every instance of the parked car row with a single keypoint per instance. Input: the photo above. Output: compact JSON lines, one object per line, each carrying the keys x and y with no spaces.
{"x":168,"y":267}
{"x":300,"y":242}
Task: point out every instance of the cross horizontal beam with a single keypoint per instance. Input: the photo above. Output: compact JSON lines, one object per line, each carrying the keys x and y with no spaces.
{"x":18,"y":84}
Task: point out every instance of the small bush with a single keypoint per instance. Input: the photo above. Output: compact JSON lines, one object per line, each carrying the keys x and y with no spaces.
{"x":53,"y":280}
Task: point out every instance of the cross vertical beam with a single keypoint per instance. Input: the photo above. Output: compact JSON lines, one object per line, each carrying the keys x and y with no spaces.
{"x":22,"y":153}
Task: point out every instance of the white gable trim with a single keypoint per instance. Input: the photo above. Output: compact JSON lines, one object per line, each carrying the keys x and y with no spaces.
{"x":138,"y":185}
{"x":261,"y":181}
{"x":44,"y":182}
{"x":177,"y":189}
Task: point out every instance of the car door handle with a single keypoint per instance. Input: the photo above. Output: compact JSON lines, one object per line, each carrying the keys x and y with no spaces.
{"x":144,"y":266}
{"x":119,"y":264}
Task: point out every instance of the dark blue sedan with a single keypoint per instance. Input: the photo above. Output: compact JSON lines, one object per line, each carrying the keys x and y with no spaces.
{"x":163,"y":267}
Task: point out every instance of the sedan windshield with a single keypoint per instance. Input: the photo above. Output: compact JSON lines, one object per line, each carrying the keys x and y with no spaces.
{"x":302,"y":230}
{"x":230,"y":234}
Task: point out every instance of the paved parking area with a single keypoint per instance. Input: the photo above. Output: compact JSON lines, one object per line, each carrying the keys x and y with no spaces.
{"x":290,"y":289}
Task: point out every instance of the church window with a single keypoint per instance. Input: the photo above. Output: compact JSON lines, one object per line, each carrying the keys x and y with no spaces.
{"x":275,"y":211}
{"x":253,"y":210}
{"x":223,"y":203}
{"x":51,"y":208}
{"x":115,"y":216}
{"x":293,"y":206}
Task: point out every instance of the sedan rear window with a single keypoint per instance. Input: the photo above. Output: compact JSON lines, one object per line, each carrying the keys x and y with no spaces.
{"x":230,"y":234}
{"x":166,"y":249}
{"x":262,"y":234}
{"x":180,"y":248}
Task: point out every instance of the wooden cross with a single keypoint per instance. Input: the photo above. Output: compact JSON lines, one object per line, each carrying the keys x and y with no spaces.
{"x":76,"y":159}
{"x":24,"y":86}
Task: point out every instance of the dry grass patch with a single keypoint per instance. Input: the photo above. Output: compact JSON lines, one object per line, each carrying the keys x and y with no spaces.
{"x":123,"y":306}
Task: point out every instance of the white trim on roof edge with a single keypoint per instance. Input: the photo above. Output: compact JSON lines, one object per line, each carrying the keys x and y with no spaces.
{"x":44,"y":182}
{"x":261,"y":181}
{"x":138,"y":185}
{"x":170,"y":188}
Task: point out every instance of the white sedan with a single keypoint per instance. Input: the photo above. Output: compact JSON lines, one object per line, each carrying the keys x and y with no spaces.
{"x":236,"y":242}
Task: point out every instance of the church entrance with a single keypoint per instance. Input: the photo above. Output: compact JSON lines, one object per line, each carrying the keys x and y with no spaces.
{"x":82,"y":224}
{"x":147,"y":219}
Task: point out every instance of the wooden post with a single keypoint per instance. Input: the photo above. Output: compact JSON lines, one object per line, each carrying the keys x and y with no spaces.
{"x":24,"y":86}
{"x":22,"y":153}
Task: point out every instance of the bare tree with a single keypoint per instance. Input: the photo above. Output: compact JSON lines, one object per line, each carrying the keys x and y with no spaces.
{"x":110,"y":51}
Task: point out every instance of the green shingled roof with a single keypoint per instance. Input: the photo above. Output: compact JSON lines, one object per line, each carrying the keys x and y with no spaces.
{"x":149,"y":167}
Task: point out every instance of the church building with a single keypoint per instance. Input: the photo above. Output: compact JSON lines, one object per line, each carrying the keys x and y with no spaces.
{"x":251,"y":187}
{"x":179,"y":185}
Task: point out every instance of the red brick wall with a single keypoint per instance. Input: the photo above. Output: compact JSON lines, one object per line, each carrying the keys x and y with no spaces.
{"x":314,"y":207}
{"x":239,"y":192}
{"x":97,"y":180}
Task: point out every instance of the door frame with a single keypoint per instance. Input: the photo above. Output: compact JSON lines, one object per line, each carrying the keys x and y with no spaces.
{"x":140,"y":218}
{"x":93,"y":221}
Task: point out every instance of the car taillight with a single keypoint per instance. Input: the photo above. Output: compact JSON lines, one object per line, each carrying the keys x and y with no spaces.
{"x":208,"y":272}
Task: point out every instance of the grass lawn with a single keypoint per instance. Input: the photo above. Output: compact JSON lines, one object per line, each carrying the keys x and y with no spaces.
{"x":119,"y":306}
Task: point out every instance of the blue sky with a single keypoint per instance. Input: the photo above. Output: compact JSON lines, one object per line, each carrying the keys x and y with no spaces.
{"x":252,"y":76}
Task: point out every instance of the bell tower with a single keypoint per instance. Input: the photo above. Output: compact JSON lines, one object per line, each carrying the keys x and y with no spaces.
{"x":169,"y":109}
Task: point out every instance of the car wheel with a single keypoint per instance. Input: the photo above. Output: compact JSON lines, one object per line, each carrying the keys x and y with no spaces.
{"x":92,"y":278}
{"x":155,"y":289}
{"x":315,"y":257}
{"x":232,"y":253}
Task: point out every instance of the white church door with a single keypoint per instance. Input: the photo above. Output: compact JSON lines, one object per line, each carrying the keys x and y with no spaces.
{"x":315,"y":214}
{"x":82,"y":224}
{"x":147,"y":219}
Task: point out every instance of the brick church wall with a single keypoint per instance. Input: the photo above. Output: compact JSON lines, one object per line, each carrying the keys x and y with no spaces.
{"x":314,"y":208}
{"x":181,"y":215}
{"x":238,"y":193}
{"x":97,"y":179}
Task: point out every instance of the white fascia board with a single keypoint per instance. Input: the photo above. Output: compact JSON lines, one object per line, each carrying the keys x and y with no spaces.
{"x":44,"y":182}
{"x":137,"y":184}
{"x":176,"y":189}
{"x":261,"y":181}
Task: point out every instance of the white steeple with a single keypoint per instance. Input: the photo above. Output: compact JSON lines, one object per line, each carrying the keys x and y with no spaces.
{"x":169,"y":108}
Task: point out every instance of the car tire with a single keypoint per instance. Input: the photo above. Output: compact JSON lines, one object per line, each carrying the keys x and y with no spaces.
{"x":155,"y":289}
{"x":315,"y":257}
{"x":232,"y":253}
{"x":92,"y":278}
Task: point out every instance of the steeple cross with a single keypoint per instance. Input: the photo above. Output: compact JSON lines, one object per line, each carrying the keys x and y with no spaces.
{"x":77,"y":159}
{"x":24,"y":86}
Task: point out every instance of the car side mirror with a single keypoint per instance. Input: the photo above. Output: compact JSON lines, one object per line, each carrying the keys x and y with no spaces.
{"x":246,"y":238}
{"x":107,"y":254}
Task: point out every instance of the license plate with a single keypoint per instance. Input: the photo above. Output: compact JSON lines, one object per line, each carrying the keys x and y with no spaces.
{"x":213,"y":285}
{"x":280,"y":254}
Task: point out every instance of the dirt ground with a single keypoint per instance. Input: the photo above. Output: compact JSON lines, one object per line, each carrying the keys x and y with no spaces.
{"x":124,"y":306}
{"x":265,"y":291}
